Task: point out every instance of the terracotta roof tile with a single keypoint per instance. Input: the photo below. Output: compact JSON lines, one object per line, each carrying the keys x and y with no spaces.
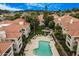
{"x":13,"y":35}
{"x":21,"y":20}
{"x":13,"y":30}
{"x":4,"y":46}
{"x":72,"y":28}
{"x":6,"y":22}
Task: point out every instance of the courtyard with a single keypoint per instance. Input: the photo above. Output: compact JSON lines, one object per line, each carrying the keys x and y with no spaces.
{"x":34,"y":44}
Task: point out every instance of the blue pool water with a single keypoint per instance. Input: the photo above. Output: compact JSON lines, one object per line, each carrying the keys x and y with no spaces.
{"x":44,"y":49}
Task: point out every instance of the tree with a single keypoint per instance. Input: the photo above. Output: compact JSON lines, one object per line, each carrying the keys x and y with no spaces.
{"x":60,"y":13}
{"x":38,"y":13}
{"x":27,"y":18}
{"x":34,"y":24}
{"x":58,"y":30}
{"x":51,"y":24}
{"x":48,"y":19}
{"x":67,"y":11}
{"x":4,"y":11}
{"x":75,"y":9}
{"x":9,"y":17}
{"x":33,"y":21}
{"x":46,"y":12}
{"x":17,"y":16}
{"x":75,"y":15}
{"x":13,"y":17}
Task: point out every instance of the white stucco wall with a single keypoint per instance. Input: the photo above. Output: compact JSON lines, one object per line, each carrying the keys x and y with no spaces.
{"x":77,"y":52}
{"x":27,"y":31}
{"x":2,"y":35}
{"x":11,"y":53}
{"x":16,"y":43}
{"x":71,"y":41}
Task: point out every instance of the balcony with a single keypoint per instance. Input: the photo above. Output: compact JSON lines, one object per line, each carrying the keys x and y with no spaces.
{"x":8,"y":52}
{"x":68,"y":38}
{"x":20,"y":41}
{"x":22,"y":30}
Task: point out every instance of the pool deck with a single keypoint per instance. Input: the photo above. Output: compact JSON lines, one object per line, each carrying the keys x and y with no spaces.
{"x":35,"y":42}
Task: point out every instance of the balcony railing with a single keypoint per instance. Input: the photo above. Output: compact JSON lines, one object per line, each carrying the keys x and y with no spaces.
{"x":8,"y":52}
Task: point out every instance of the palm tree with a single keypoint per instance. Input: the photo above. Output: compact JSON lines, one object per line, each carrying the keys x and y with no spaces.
{"x":46,"y":11}
{"x":34,"y":22}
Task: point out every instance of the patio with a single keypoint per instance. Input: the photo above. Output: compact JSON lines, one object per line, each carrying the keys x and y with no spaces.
{"x":34,"y":44}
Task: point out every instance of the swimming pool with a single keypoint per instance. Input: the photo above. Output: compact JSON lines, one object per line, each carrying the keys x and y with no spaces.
{"x":44,"y":49}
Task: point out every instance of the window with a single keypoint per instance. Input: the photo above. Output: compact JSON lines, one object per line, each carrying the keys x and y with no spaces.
{"x":22,"y":30}
{"x":75,"y":48}
{"x":12,"y":40}
{"x":18,"y":38}
{"x":19,"y":45}
{"x":68,"y":43}
{"x":76,"y":38}
{"x":14,"y":49}
{"x":69,"y":36}
{"x":10,"y":54}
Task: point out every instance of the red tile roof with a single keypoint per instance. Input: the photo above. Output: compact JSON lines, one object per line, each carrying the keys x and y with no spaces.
{"x":72,"y":28}
{"x":4,"y":46}
{"x":13,"y":35}
{"x":21,"y":20}
{"x":13,"y":30}
{"x":6,"y":22}
{"x":68,"y":19}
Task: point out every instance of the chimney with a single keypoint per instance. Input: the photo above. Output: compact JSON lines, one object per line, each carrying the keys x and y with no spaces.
{"x":59,"y":19}
{"x":71,"y":21}
{"x":21,"y":23}
{"x":2,"y":35}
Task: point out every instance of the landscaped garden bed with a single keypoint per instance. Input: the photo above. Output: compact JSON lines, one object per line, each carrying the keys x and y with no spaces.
{"x":59,"y":49}
{"x":61,"y":38}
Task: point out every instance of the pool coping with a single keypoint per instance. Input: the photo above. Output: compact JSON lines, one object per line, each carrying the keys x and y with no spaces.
{"x":34,"y":44}
{"x":38,"y":48}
